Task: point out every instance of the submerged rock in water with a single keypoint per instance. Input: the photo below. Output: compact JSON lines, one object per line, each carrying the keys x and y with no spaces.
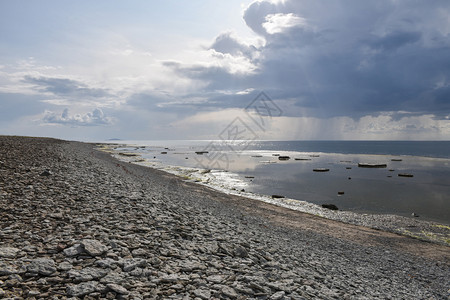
{"x":201,"y":152}
{"x":405,"y":175}
{"x":321,"y":170}
{"x":330,"y":206}
{"x":371,"y":165}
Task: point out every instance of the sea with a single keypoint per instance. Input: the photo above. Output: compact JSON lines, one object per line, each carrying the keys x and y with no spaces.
{"x":412,"y":178}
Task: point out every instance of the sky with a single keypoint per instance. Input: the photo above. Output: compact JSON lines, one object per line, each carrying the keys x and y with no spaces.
{"x":155,"y":70}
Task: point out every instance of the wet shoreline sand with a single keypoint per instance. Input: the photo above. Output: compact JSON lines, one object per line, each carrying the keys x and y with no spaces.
{"x":102,"y":228}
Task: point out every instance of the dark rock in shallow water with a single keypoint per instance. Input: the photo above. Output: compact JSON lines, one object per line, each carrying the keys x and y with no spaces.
{"x":201,"y":152}
{"x":405,"y":175}
{"x":370,"y":165}
{"x":330,"y":206}
{"x":321,"y":170}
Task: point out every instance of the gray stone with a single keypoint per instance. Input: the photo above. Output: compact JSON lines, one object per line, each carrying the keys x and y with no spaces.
{"x":7,"y":269}
{"x":33,"y":293}
{"x":65,"y":266}
{"x":9,"y":252}
{"x":45,"y":173}
{"x":93,"y":247}
{"x":117,"y":288}
{"x":42,"y":266}
{"x":73,"y":251}
{"x":202,"y":294}
{"x":83,"y":288}
{"x":139,"y":252}
{"x":215,"y":278}
{"x":229,"y":292}
{"x":189,"y":266}
{"x":106,"y":263}
{"x":114,"y":277}
{"x":133,"y":263}
{"x":278,"y":296}
{"x":172,"y":278}
{"x":240,"y":251}
{"x":87,"y":274}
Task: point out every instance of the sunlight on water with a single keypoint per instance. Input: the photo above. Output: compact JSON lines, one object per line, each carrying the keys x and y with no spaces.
{"x":423,"y":187}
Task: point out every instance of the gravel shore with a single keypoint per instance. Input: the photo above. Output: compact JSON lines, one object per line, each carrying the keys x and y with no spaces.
{"x":77,"y":223}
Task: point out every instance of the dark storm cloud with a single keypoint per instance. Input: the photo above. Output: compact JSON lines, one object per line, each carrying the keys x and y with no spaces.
{"x":340,"y":58}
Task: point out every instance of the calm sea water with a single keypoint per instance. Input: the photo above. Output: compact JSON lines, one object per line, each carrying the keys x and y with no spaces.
{"x":437,"y":149}
{"x":255,"y":168}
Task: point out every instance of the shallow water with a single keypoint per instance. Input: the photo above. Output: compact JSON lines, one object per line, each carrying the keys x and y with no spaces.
{"x":368,"y":190}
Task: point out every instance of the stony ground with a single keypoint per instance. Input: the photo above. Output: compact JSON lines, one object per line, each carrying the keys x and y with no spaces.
{"x":75,"y":223}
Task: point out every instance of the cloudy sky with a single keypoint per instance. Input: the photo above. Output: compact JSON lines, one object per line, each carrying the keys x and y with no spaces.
{"x":336,"y":69}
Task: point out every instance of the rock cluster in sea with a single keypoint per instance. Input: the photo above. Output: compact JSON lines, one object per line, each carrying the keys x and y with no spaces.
{"x":95,"y":228}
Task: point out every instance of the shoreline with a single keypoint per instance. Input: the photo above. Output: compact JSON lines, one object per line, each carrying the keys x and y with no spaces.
{"x":426,"y":230}
{"x":102,"y":228}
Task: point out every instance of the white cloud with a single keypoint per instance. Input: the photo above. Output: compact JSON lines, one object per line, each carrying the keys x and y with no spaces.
{"x":94,"y":118}
{"x":277,"y":23}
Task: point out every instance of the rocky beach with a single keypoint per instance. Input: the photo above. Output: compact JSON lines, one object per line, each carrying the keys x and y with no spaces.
{"x":76,"y":223}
